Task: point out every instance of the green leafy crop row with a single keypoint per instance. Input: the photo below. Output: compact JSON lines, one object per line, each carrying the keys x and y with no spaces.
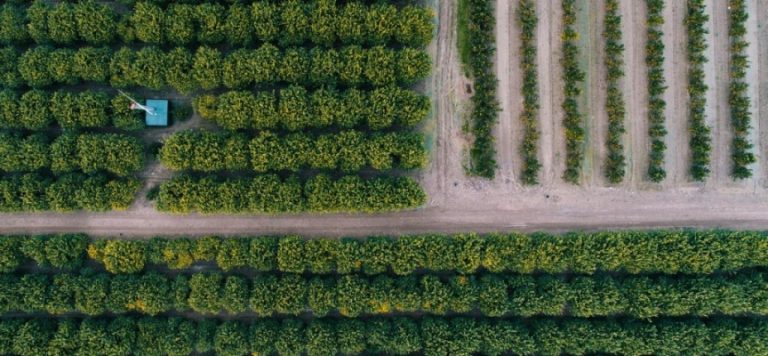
{"x":32,"y":192}
{"x":117,"y":154}
{"x":293,"y":22}
{"x":528,"y":20}
{"x":738,"y":98}
{"x":701,"y":140}
{"x":38,"y":109}
{"x":348,"y":151}
{"x":572,"y":77}
{"x":393,"y":336}
{"x":654,"y":59}
{"x":614,"y":64}
{"x":478,"y":41}
{"x":295,"y":108}
{"x":270,"y":194}
{"x":209,"y":68}
{"x":355,"y":296}
{"x":666,"y":252}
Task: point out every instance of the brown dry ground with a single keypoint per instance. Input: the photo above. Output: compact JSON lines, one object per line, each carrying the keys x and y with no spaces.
{"x":461,"y":203}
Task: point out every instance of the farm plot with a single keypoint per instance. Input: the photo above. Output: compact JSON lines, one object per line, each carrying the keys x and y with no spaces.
{"x":433,"y":294}
{"x":318,"y":97}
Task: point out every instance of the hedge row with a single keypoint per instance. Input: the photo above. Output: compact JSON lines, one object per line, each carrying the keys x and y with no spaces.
{"x":38,"y":109}
{"x":354,"y":296}
{"x":701,"y":140}
{"x":528,"y":20}
{"x":348,"y":151}
{"x":117,"y":154}
{"x":481,"y":39}
{"x":654,"y":59}
{"x":616,"y":163}
{"x":296,"y":108}
{"x":738,"y":99}
{"x":270,"y":194}
{"x":32,"y":192}
{"x":392,"y":336}
{"x":209,"y":68}
{"x":573,"y":122}
{"x":320,"y":22}
{"x":666,"y":252}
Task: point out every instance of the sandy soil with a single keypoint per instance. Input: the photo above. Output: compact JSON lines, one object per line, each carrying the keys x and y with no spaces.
{"x":758,"y":38}
{"x":459,"y":203}
{"x":592,"y":104}
{"x":636,"y":141}
{"x":549,"y":53}
{"x":677,"y":157}
{"x":508,"y":132}
{"x":718,"y":79}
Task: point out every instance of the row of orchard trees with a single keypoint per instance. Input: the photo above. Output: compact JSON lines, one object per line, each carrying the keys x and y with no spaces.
{"x":395,"y":336}
{"x":353,"y":296}
{"x":292,"y":22}
{"x":295,"y":108}
{"x":116,"y":154}
{"x":271,"y":194}
{"x":38,"y":109}
{"x":643,"y":253}
{"x":68,"y":192}
{"x":348,"y":151}
{"x":209,"y":68}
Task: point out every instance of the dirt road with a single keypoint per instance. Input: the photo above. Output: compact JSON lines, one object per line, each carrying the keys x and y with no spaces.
{"x":636,"y":144}
{"x":459,"y":203}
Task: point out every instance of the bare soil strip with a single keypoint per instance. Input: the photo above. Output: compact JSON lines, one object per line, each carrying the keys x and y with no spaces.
{"x":762,"y":80}
{"x":718,"y":80}
{"x":592,"y":105}
{"x":508,"y":131}
{"x":633,"y":15}
{"x":757,"y":56}
{"x":676,"y":72}
{"x":711,"y":115}
{"x":549,"y":47}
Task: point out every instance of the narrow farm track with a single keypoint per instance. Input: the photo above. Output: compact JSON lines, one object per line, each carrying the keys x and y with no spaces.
{"x":633,"y":15}
{"x":678,"y":155}
{"x":508,"y":131}
{"x":717,"y":77}
{"x":711,"y":114}
{"x":757,"y":53}
{"x":548,"y":39}
{"x":594,"y":96}
{"x":760,"y":39}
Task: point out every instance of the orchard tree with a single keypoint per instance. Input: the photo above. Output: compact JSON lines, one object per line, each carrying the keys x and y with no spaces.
{"x":180,"y":24}
{"x":206,"y":68}
{"x":92,"y":64}
{"x":352,"y":23}
{"x":210,"y":20}
{"x":62,"y":27}
{"x":12,"y":24}
{"x":34,"y":110}
{"x":295,"y":22}
{"x":61,"y":66}
{"x":265,"y":17}
{"x":9,"y":71}
{"x":178,"y":70}
{"x":238,"y":26}
{"x":33,"y":67}
{"x":149,"y":22}
{"x":96,"y":23}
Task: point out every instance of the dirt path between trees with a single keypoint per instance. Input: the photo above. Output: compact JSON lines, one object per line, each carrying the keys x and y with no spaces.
{"x":718,"y":80}
{"x":636,"y":142}
{"x":458,"y":203}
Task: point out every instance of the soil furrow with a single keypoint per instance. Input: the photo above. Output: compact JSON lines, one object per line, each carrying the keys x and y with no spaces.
{"x":676,"y":72}
{"x":508,"y":130}
{"x":635,"y":92}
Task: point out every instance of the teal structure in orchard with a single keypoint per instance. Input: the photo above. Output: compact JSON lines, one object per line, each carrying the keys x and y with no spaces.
{"x":158,"y":114}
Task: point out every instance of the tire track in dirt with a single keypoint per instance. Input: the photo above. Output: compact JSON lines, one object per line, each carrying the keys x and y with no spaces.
{"x":711,"y":115}
{"x":636,"y":139}
{"x":716,"y":71}
{"x":678,"y":154}
{"x":759,"y":38}
{"x":549,"y":53}
{"x":508,"y":131}
{"x":447,"y":89}
{"x":755,"y":57}
{"x":592,"y":101}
